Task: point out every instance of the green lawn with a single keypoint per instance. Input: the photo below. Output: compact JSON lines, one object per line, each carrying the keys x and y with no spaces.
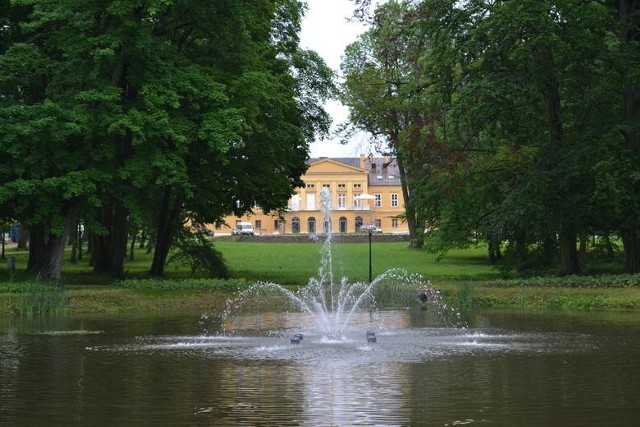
{"x":463,"y":276}
{"x":294,"y":263}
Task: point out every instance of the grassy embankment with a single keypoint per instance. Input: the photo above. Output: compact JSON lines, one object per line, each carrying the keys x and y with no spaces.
{"x":464,"y":277}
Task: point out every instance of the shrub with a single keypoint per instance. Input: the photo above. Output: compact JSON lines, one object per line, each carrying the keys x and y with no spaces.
{"x":198,"y":253}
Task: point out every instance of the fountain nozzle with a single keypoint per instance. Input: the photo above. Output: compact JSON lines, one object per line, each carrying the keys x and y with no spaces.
{"x":371,"y":337}
{"x":428,"y":294}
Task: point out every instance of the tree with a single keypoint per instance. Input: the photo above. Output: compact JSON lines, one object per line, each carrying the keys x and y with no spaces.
{"x":508,"y":117}
{"x":162,"y":111}
{"x":386,"y":92}
{"x":41,"y":184}
{"x":626,"y":13}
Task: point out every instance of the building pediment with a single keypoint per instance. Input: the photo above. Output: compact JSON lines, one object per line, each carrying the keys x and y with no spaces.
{"x":330,"y":166}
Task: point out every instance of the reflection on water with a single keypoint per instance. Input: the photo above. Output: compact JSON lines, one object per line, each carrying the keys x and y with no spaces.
{"x":505,"y":369}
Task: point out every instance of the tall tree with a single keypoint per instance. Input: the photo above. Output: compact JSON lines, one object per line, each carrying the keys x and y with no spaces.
{"x":42,"y":183}
{"x":516,"y":123}
{"x":627,"y":15}
{"x":165,"y":111}
{"x":386,"y":89}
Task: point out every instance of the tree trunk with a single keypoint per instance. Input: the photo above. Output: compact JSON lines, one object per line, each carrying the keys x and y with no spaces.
{"x":631,"y":242}
{"x":23,"y":238}
{"x":167,"y":227}
{"x":411,"y":215}
{"x":36,"y":249}
{"x":630,"y":236}
{"x":494,"y":252}
{"x":569,"y":257}
{"x":46,"y":252}
{"x":109,"y":250}
{"x":73,"y":237}
{"x":132,"y":246}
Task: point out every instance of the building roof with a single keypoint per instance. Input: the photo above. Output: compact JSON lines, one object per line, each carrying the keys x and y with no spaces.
{"x":382,"y":170}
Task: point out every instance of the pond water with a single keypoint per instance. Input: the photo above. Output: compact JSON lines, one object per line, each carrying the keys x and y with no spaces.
{"x":503,"y":369}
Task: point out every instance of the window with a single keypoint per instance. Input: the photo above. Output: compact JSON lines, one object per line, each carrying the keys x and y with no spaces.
{"x":356,"y":201}
{"x":326,"y":185}
{"x":295,"y":224}
{"x":377,"y":202}
{"x":342,"y":186}
{"x":311,"y":186}
{"x":394,"y":223}
{"x":342,"y":223}
{"x":311,"y":225}
{"x":327,"y":225}
{"x":294,"y":202}
{"x":311,"y":202}
{"x":394,"y":200}
{"x":357,"y":186}
{"x":342,"y":201}
{"x":258,"y":225}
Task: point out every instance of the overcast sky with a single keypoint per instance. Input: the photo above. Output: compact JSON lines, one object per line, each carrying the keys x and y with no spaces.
{"x":326,"y":30}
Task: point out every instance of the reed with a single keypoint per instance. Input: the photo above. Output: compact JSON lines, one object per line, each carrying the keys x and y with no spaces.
{"x":35,"y":299}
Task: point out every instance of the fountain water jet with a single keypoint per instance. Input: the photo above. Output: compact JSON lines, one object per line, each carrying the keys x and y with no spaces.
{"x":328,"y":303}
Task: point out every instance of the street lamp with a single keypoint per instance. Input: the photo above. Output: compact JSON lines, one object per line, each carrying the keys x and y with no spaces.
{"x":365,"y":196}
{"x":370,"y":233}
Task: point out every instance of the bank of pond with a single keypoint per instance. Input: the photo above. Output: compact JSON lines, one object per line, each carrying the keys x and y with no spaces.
{"x":620,"y":292}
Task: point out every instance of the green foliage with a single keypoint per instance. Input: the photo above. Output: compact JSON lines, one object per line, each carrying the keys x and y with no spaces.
{"x":183,"y":284}
{"x":200,"y":255}
{"x":508,"y":120}
{"x":600,"y":281}
{"x":33,"y":299}
{"x":159,"y":111}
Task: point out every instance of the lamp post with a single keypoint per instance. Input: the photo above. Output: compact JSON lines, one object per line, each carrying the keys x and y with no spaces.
{"x":370,"y":233}
{"x":365,"y":196}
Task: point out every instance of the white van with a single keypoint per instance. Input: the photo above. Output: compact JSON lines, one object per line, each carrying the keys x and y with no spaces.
{"x":243,"y":228}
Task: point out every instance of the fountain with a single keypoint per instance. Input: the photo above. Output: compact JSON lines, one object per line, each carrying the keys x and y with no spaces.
{"x":331,"y":305}
{"x":342,"y":353}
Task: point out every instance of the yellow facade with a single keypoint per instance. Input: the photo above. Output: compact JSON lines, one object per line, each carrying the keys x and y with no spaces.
{"x":364,"y":191}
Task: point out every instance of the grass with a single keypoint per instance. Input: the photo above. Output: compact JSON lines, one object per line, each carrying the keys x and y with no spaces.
{"x":295,"y":263}
{"x":465,"y":278}
{"x":33,"y":299}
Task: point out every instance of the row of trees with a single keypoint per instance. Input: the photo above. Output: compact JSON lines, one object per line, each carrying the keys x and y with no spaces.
{"x":514,"y":121}
{"x":144,"y":114}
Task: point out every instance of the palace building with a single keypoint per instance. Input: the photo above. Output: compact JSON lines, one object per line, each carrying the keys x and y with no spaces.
{"x":364,"y":191}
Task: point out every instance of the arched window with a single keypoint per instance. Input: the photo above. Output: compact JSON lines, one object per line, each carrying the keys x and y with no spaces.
{"x":359,"y":223}
{"x":327,"y":226}
{"x":295,"y":225}
{"x":343,"y":224}
{"x":311,"y":225}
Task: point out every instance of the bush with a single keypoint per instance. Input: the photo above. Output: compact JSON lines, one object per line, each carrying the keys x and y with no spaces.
{"x":601,"y":281}
{"x":198,"y":253}
{"x":184,"y":285}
